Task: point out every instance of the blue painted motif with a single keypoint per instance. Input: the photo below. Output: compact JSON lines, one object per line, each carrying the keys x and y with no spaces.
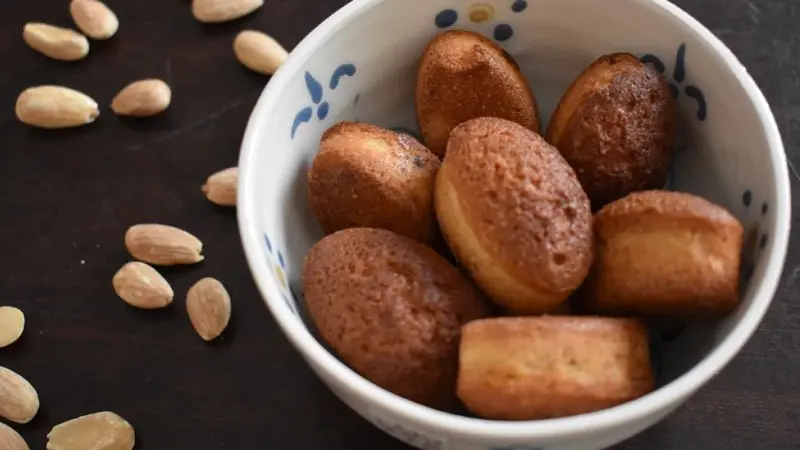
{"x":519,"y":6}
{"x":763,"y":242}
{"x":679,"y":76}
{"x":501,"y":32}
{"x":317,"y":94}
{"x":446,"y":18}
{"x":344,"y":69}
{"x":322,"y":111}
{"x":747,"y":198}
{"x":268,"y":243}
{"x":764,"y":209}
{"x":280,"y":259}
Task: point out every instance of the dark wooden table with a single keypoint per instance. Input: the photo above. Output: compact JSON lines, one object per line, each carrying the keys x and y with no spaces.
{"x":68,"y":197}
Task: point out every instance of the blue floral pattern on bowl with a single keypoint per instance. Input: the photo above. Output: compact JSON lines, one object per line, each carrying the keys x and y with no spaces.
{"x":679,"y":76}
{"x":317,"y":94}
{"x":278,"y":266}
{"x":480,"y":13}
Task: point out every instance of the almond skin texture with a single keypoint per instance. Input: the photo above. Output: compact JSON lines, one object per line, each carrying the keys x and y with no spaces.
{"x":19,"y":401}
{"x":56,"y":42}
{"x":12,"y":322}
{"x":10,"y":439}
{"x":99,"y":431}
{"x":515,"y":215}
{"x":163,"y":245}
{"x":142,"y":98}
{"x":220,"y":188}
{"x":216,"y":11}
{"x":55,"y":107}
{"x":94,"y":18}
{"x":209,"y":307}
{"x":462,"y":76}
{"x":141,"y":286}
{"x":259,"y":52}
{"x":615,"y":126}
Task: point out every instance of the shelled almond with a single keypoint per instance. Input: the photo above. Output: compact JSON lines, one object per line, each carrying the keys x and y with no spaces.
{"x":12,"y":322}
{"x":142,"y":98}
{"x":209,"y":307}
{"x":163,"y":245}
{"x":55,"y":107}
{"x":103,"y":430}
{"x":56,"y":42}
{"x":19,"y":401}
{"x":10,"y":439}
{"x":220,"y":188}
{"x":216,"y":11}
{"x":94,"y":18}
{"x":141,"y":286}
{"x":259,"y":52}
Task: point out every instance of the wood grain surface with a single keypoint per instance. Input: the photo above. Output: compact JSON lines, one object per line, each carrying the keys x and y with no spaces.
{"x":68,"y":197}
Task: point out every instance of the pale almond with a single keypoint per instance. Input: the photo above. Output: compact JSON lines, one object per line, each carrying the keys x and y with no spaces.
{"x":141,"y":286}
{"x":142,"y":98}
{"x":94,"y":18}
{"x":103,"y":430}
{"x":55,"y":107}
{"x":259,"y":52}
{"x":10,"y":439}
{"x":56,"y":42}
{"x":209,"y":307}
{"x":12,"y":322}
{"x":220,"y":188}
{"x":19,"y":401}
{"x":216,"y":11}
{"x":163,"y":245}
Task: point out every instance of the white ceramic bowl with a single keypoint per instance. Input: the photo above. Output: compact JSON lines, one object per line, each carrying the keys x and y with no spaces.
{"x":360,"y":65}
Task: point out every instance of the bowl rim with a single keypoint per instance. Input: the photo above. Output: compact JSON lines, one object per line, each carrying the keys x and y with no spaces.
{"x":447,"y":424}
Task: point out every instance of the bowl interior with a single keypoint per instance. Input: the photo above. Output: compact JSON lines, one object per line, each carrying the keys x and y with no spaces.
{"x":364,"y":70}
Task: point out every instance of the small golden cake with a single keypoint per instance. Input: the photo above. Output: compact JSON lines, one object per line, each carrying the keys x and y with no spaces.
{"x":463,"y":75}
{"x":616,"y":127}
{"x":367,"y":176}
{"x":530,"y":368}
{"x":664,"y":253}
{"x":392,"y":309}
{"x":514,"y":214}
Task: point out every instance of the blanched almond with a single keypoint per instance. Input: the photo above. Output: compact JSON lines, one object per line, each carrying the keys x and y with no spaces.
{"x":259,"y":52}
{"x":12,"y":322}
{"x":10,"y":439}
{"x":19,"y":401}
{"x":215,"y":11}
{"x":163,"y":245}
{"x":56,"y":42}
{"x":55,"y":107}
{"x":94,"y":18}
{"x":209,"y":307}
{"x":99,"y":431}
{"x":142,"y":98}
{"x":220,"y":188}
{"x":141,"y":286}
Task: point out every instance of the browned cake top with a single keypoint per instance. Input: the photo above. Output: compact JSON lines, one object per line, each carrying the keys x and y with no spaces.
{"x":464,"y":75}
{"x":522,"y":201}
{"x":664,"y":208}
{"x":616,"y":127}
{"x":392,"y":308}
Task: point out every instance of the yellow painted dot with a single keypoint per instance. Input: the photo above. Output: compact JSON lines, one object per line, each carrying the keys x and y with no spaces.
{"x":481,"y":13}
{"x":280,"y":276}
